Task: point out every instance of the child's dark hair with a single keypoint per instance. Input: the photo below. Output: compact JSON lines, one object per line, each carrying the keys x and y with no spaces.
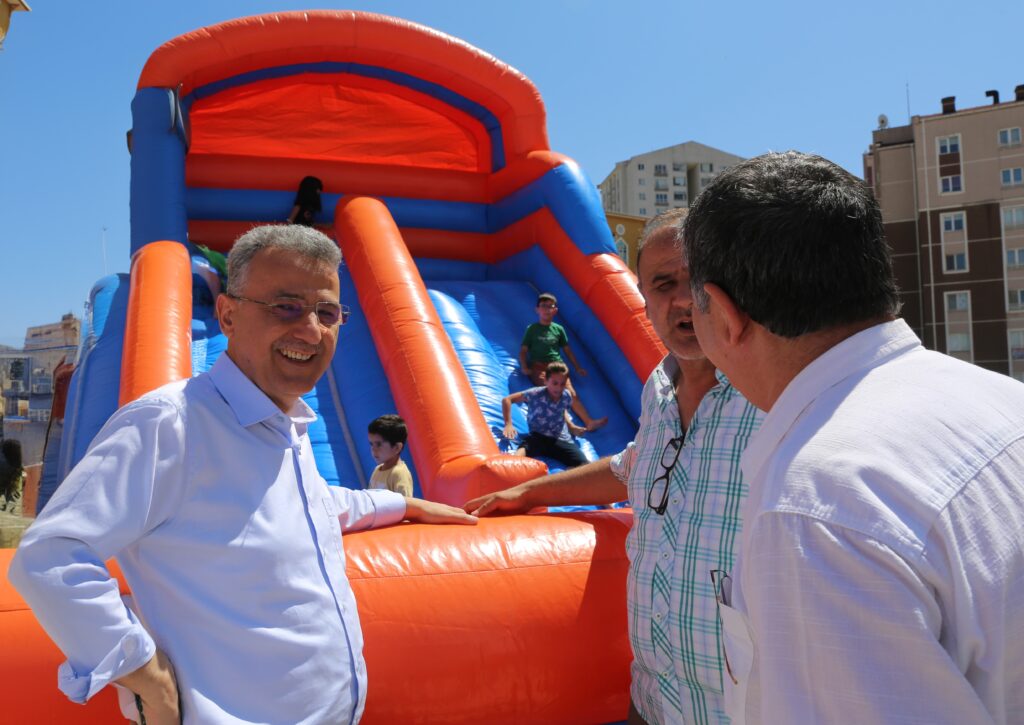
{"x":10,"y":450}
{"x":307,"y":196}
{"x":556,"y":368}
{"x":546,"y":297}
{"x":390,"y":427}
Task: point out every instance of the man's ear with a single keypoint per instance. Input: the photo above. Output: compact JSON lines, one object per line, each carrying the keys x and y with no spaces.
{"x":401,"y":447}
{"x":734,"y":322}
{"x":225,"y":307}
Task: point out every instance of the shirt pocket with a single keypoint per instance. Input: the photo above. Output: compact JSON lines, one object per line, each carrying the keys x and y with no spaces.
{"x":738,"y":662}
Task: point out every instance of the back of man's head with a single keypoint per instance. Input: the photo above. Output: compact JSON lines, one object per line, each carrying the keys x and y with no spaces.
{"x":305,"y":243}
{"x":796,"y":242}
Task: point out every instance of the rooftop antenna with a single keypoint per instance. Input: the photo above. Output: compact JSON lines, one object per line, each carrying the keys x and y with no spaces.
{"x":883,"y":121}
{"x":908,"y":101}
{"x":103,"y":247}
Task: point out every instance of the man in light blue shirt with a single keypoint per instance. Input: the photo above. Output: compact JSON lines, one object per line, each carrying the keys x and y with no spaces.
{"x":207,"y":494}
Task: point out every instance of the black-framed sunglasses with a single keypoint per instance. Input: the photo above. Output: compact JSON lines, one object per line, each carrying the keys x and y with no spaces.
{"x":660,"y":485}
{"x":286,"y":309}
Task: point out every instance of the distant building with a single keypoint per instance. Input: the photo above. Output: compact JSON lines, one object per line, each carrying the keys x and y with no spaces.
{"x":26,"y":381}
{"x":951,"y":188}
{"x":626,"y":232}
{"x":667,"y":178}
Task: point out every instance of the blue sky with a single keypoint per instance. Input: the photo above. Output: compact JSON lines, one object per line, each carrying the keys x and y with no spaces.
{"x":618,"y":78}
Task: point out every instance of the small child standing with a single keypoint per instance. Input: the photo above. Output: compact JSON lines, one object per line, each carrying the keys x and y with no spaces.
{"x":387,"y":435}
{"x":542,"y":343}
{"x":547,"y":414}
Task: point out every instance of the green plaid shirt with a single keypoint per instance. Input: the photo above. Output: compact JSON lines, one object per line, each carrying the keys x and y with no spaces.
{"x":673,"y":622}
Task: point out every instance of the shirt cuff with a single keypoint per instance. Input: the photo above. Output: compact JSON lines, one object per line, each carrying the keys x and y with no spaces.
{"x":621,"y":463}
{"x":389,"y":507}
{"x":133,"y":651}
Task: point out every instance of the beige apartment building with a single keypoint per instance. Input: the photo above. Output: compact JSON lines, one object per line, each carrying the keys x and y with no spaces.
{"x":951,"y":188}
{"x":652,"y":182}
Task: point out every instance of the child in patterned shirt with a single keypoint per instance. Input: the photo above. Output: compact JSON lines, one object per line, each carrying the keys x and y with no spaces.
{"x":548,"y":418}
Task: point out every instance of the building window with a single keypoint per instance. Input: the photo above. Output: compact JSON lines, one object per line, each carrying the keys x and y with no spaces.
{"x":660,"y":170}
{"x":707,"y":168}
{"x":1016,"y":299}
{"x":640,"y":167}
{"x":1013,"y":218}
{"x":1015,"y":258}
{"x":622,"y":249}
{"x":679,"y":196}
{"x":1017,"y":344}
{"x":1009,"y":136}
{"x":951,"y":184}
{"x":678,"y":181}
{"x":641,"y":181}
{"x":704,"y":181}
{"x":956,"y":262}
{"x":958,"y":342}
{"x":661,"y":199}
{"x":660,"y":185}
{"x":678,"y":167}
{"x":957,"y":301}
{"x":949,"y":144}
{"x":953,"y":222}
{"x":643,"y":211}
{"x":1013,"y":177}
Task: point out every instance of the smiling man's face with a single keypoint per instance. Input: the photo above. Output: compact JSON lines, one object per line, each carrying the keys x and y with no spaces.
{"x":665,"y":284}
{"x":284,"y":359}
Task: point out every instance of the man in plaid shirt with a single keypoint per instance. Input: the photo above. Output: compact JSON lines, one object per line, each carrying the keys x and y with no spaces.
{"x":683,"y":477}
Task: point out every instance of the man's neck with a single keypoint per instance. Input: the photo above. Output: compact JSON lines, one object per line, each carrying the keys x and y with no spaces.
{"x":696,"y":378}
{"x":787,"y":358}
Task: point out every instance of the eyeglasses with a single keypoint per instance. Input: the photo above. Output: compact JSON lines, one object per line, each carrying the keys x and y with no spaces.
{"x":548,"y":306}
{"x":719,"y":579}
{"x":669,"y":458}
{"x":328,"y":314}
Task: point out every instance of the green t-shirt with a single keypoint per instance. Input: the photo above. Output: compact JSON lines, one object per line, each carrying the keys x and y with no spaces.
{"x":543,"y":342}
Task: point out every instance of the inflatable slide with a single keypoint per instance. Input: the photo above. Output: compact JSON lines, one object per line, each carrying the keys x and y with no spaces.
{"x":452,"y":214}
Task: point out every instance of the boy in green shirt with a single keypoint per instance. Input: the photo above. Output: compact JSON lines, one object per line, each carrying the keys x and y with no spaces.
{"x":542,"y":343}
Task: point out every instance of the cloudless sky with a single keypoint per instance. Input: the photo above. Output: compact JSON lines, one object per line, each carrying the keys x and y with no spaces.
{"x":618,"y":79}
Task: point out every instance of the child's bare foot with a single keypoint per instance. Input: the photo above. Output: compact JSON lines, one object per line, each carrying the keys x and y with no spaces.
{"x":596,"y":423}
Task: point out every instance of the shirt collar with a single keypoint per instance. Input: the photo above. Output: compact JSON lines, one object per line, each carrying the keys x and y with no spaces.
{"x":668,"y":371}
{"x":866,"y":350}
{"x":250,"y":404}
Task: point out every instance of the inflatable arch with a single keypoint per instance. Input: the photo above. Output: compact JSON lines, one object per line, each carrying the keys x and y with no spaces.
{"x":452,"y":214}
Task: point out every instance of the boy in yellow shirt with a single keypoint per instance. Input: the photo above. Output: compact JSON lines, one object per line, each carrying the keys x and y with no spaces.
{"x":387,"y":435}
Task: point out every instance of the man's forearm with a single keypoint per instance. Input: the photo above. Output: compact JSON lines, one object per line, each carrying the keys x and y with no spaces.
{"x":592,"y":484}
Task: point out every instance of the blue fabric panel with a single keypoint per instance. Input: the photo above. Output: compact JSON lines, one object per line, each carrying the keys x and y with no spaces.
{"x":319,"y":439}
{"x":363,"y":389}
{"x":451,"y":269}
{"x":587,"y":337}
{"x":92,"y":397}
{"x":157,"y":171}
{"x":49,"y":478}
{"x":472,"y":108}
{"x":573,"y":201}
{"x":274,"y":206}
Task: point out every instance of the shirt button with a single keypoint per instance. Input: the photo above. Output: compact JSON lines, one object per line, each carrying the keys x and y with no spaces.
{"x":664,"y":555}
{"x":675,"y":501}
{"x":657,"y":616}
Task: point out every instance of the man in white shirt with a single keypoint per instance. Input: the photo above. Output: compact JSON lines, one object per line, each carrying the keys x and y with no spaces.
{"x":881,"y":569}
{"x":207,"y":494}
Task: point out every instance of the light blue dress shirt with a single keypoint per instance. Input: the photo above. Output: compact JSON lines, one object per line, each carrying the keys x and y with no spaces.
{"x":209,"y":498}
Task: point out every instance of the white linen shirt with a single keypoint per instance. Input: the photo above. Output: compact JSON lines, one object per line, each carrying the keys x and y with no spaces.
{"x":673,"y":624}
{"x":209,"y":498}
{"x":881,"y":570}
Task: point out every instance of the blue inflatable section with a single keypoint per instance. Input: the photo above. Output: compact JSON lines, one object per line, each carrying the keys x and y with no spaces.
{"x":93,"y":392}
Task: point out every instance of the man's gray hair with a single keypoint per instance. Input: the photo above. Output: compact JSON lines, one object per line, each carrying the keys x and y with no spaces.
{"x":301,"y":241}
{"x":670,"y":217}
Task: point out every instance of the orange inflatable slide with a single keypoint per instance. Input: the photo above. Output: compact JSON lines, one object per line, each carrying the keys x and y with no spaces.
{"x":452,"y":214}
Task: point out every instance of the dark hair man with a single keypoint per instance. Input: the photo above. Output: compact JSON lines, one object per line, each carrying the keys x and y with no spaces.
{"x":881,"y":571}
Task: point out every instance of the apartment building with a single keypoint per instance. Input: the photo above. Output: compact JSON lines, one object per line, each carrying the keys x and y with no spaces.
{"x":652,"y":182}
{"x":951,"y":188}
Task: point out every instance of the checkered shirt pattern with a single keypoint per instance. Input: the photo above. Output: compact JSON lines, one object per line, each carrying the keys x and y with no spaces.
{"x":673,"y":623}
